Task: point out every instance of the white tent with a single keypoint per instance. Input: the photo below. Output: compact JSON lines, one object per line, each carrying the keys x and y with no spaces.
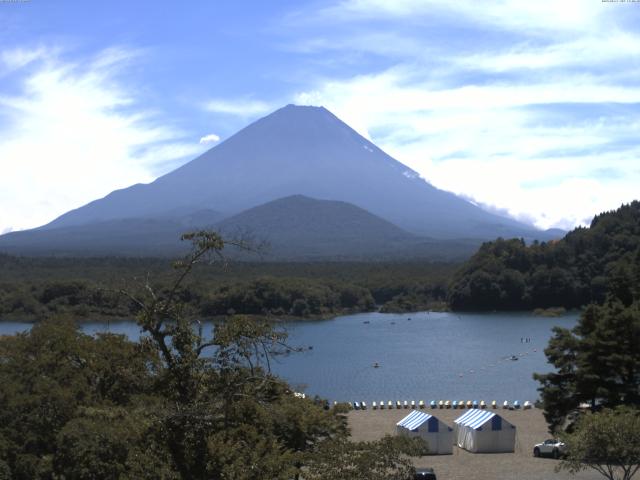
{"x":439,"y":436}
{"x":482,"y":431}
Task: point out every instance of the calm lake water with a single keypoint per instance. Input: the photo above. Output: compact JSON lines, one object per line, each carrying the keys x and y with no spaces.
{"x":428,"y":356}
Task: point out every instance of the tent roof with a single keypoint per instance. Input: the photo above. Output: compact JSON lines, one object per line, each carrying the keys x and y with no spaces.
{"x":474,"y":418}
{"x":414,"y":420}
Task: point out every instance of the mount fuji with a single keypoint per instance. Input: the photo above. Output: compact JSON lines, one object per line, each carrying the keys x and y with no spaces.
{"x":295,"y":152}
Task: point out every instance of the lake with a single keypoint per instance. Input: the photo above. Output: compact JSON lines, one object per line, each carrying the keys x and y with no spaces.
{"x":426,"y":355}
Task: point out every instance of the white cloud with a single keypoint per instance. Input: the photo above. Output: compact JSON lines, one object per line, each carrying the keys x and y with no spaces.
{"x":74,"y":134}
{"x":482,"y":141}
{"x":239,"y":107}
{"x":522,"y":126}
{"x":569,"y":15}
{"x":211,"y":138}
{"x":16,"y":58}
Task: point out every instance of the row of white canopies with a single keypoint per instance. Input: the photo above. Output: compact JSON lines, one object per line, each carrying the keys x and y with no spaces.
{"x":478,"y":431}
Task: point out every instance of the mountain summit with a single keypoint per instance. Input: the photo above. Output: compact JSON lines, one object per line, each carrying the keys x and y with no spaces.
{"x":296,"y":150}
{"x":309,"y":151}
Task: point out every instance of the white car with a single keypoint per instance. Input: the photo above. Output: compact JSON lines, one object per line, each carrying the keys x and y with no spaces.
{"x":553,"y":448}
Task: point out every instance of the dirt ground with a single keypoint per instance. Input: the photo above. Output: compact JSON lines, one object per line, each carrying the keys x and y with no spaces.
{"x":520,"y":465}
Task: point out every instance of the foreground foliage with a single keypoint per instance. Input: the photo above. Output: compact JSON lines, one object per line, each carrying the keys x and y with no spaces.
{"x":175,"y":405}
{"x":607,"y":442}
{"x":383,"y":460}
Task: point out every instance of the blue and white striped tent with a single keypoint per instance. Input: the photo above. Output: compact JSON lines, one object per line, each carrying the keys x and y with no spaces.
{"x":438,"y":435}
{"x":484,"y":431}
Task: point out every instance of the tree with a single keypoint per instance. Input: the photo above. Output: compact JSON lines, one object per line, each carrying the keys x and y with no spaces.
{"x":176,"y":405}
{"x":386,"y":459}
{"x":597,"y":362}
{"x":48,"y":375}
{"x":110,"y":444}
{"x":607,"y":442}
{"x":224,"y":412}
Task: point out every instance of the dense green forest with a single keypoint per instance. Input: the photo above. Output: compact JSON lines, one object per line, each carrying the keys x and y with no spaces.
{"x":89,"y":288}
{"x":572,"y":272}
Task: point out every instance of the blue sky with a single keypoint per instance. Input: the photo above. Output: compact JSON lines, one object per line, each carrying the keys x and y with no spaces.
{"x":528,"y":108}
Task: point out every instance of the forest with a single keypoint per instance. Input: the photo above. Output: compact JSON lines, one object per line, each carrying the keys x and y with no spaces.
{"x":572,"y":272}
{"x":89,"y":288}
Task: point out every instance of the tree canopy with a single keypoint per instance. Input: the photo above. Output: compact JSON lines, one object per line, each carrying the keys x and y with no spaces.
{"x":597,"y":362}
{"x":572,"y":272}
{"x":607,"y":442}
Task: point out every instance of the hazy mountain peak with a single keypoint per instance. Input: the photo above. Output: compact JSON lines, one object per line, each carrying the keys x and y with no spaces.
{"x":302,"y":150}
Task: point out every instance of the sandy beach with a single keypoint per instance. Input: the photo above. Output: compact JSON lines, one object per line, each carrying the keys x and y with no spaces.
{"x":520,"y":465}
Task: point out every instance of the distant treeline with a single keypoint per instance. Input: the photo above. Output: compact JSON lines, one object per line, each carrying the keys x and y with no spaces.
{"x":580,"y":269}
{"x":90,"y":288}
{"x":503,"y":275}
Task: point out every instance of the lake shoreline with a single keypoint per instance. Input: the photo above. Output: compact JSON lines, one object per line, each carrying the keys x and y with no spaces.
{"x":552,"y":312}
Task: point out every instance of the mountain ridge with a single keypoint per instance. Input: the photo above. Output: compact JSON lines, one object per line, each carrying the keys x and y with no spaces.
{"x":309,"y":151}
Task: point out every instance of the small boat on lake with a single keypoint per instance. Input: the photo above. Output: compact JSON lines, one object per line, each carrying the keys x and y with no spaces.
{"x":513,"y":357}
{"x":376,"y":365}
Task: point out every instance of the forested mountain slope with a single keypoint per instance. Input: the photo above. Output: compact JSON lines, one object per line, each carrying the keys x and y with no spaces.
{"x":574,"y":271}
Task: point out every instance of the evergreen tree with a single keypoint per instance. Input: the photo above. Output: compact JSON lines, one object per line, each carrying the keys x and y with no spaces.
{"x":597,"y":362}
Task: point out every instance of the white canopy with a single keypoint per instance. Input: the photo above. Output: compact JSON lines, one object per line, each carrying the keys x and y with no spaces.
{"x":438,"y":435}
{"x":484,"y":431}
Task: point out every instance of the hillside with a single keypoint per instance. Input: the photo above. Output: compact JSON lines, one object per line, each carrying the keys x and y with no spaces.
{"x":294,"y":228}
{"x":579,"y":269}
{"x":302,"y":228}
{"x":128,"y":237}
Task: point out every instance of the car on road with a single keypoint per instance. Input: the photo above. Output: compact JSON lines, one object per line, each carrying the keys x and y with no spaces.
{"x":424,"y":474}
{"x":550,"y":448}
